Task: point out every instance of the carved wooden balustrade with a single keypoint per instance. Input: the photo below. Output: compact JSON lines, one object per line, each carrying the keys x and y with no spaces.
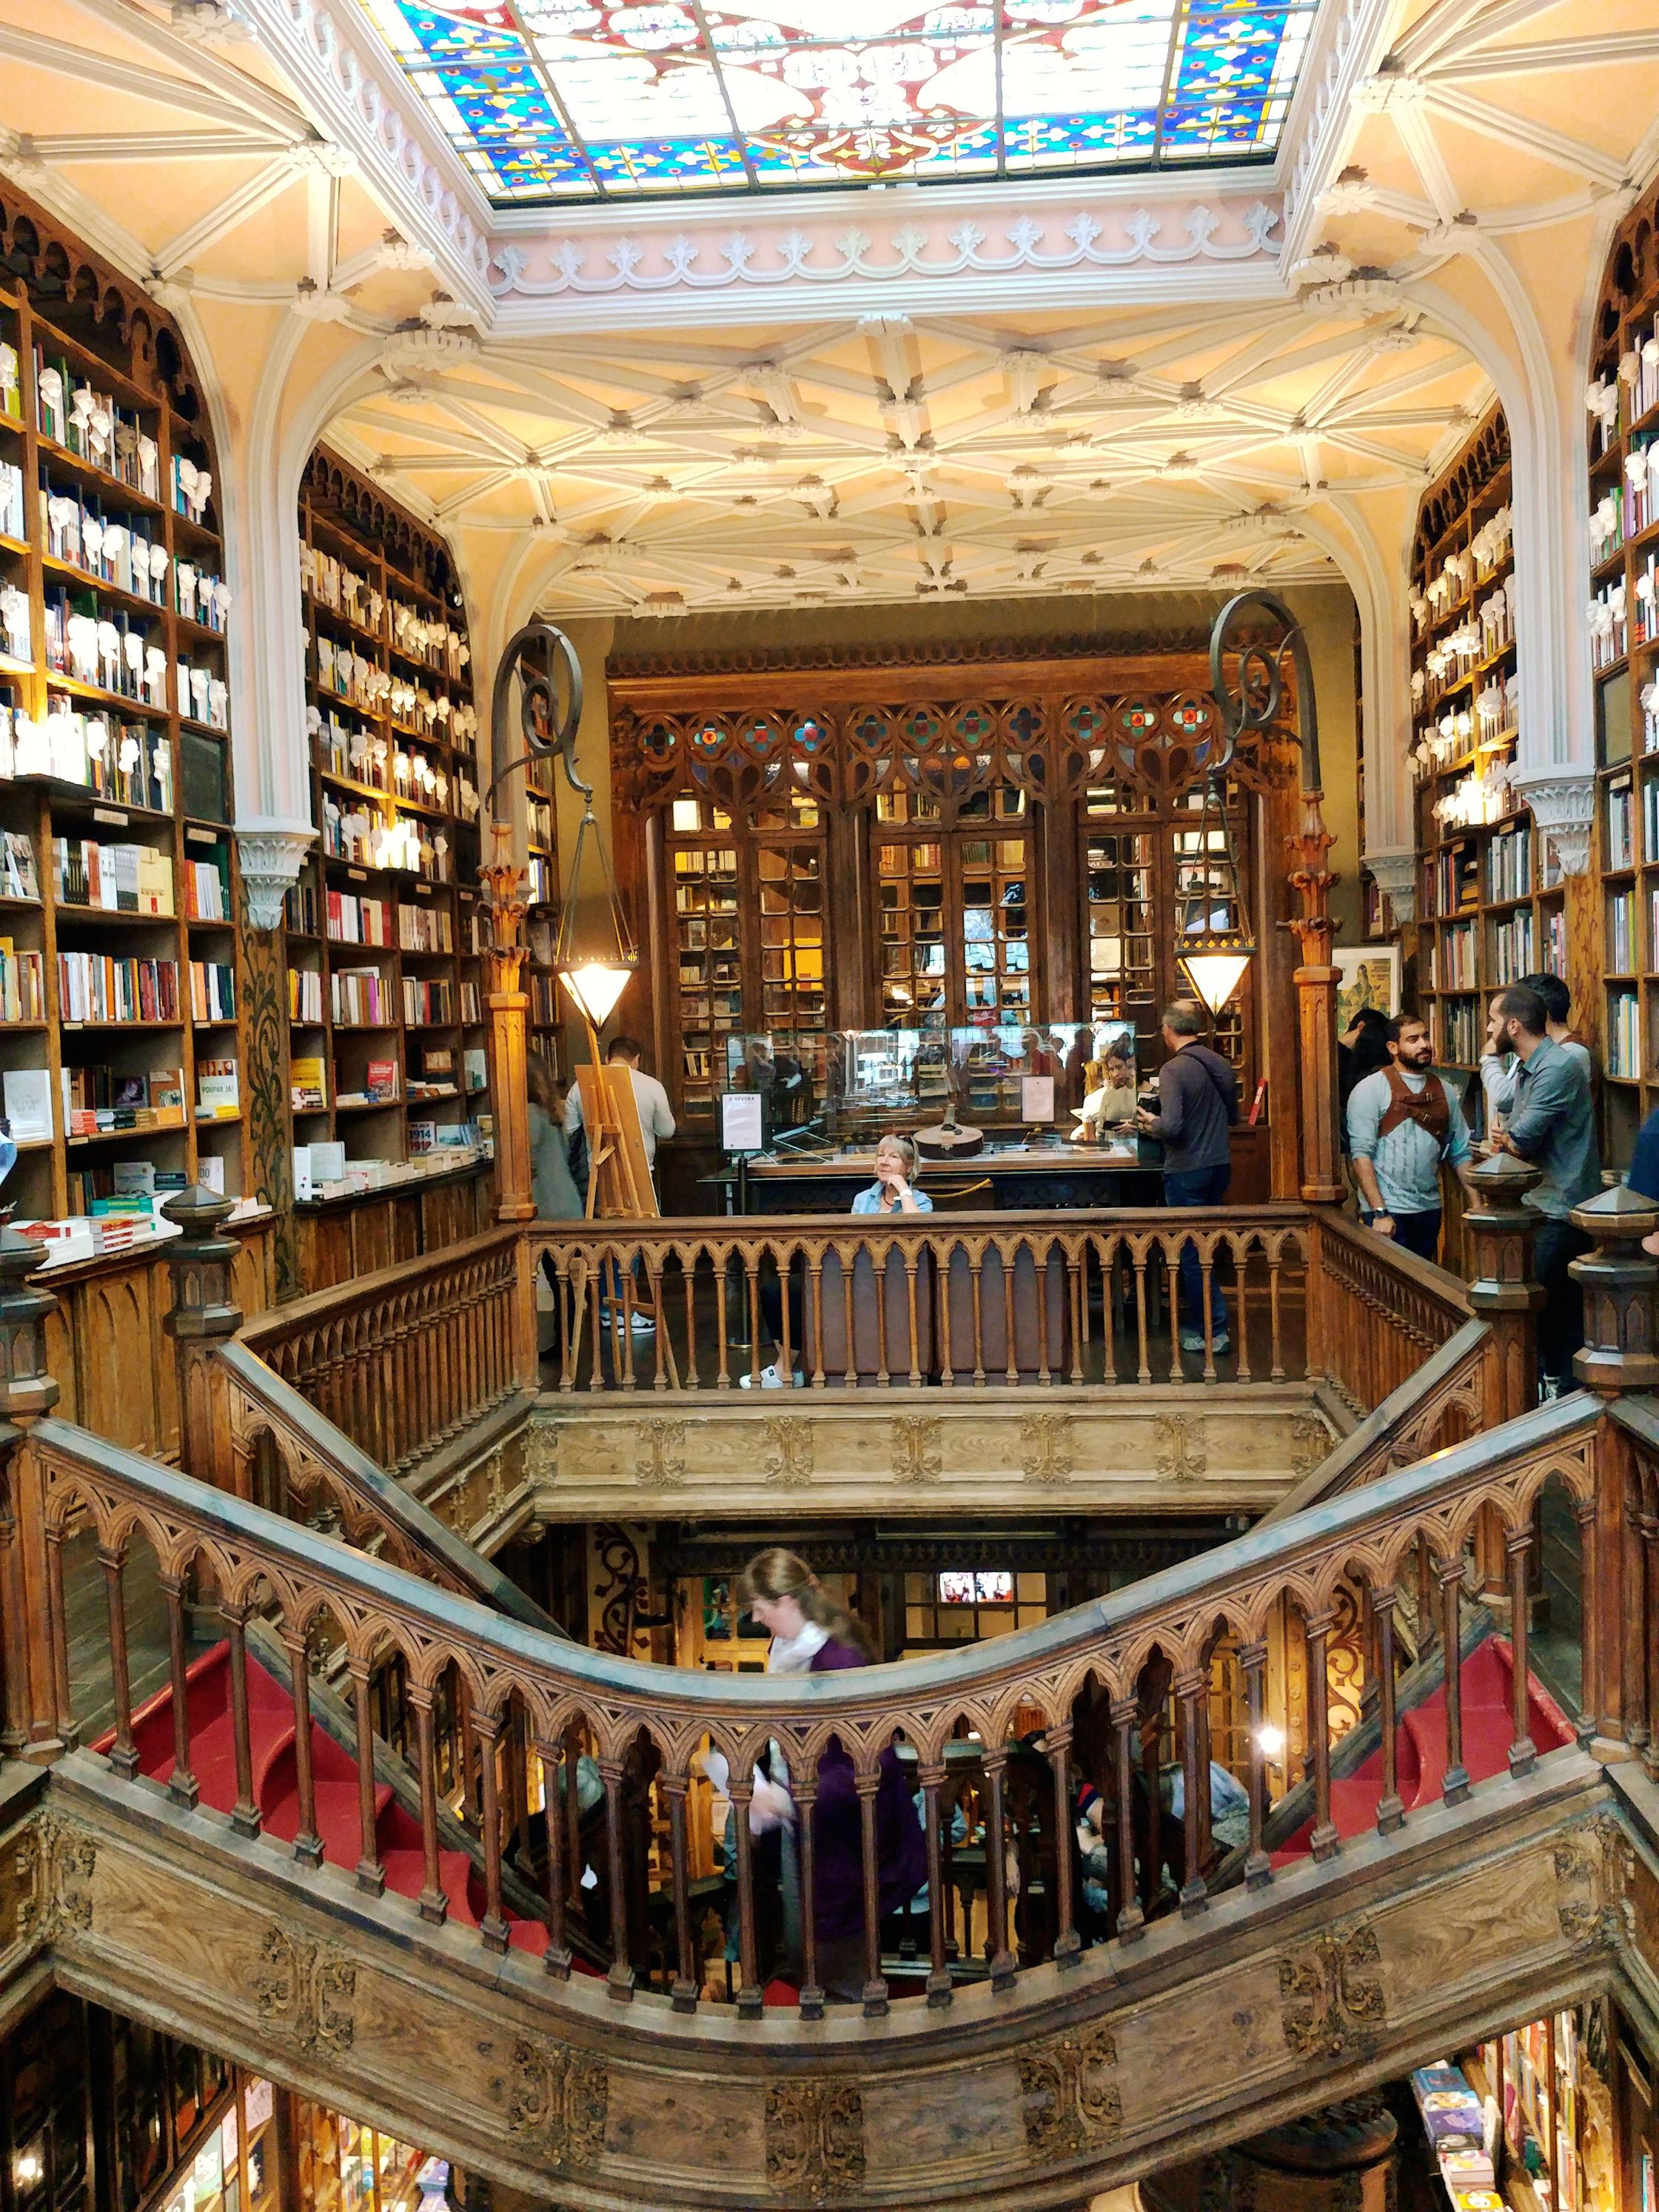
{"x":413,"y":1357}
{"x":1088,"y":1694}
{"x":964,"y":1301}
{"x":1376,"y":1313}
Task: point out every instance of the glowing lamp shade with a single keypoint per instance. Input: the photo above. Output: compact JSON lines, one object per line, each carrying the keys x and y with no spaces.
{"x":1215,"y":975}
{"x":596,"y":985}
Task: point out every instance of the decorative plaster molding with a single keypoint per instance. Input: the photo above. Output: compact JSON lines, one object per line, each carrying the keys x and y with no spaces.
{"x":271,"y":855}
{"x":418,"y":350}
{"x":1395,"y":876}
{"x":915,"y":248}
{"x":1564,"y":807}
{"x":1329,"y":111}
{"x":338,"y":65}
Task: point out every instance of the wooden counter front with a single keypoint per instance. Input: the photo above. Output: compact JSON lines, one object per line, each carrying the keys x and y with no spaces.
{"x":341,"y":1238}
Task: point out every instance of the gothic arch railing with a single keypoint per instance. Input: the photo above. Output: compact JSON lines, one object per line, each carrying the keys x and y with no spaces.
{"x":1002,"y":1732}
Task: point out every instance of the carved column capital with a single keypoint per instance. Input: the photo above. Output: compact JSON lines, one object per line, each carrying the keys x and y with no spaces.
{"x":1394,"y":874}
{"x":1563,"y":803}
{"x":271,"y":854}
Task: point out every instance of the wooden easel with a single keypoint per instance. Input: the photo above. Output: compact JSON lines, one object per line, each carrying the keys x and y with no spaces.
{"x":619,"y":1186}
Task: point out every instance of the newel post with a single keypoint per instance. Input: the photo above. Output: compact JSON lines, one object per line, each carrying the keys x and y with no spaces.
{"x":509,"y":1012}
{"x":38,"y":1723}
{"x":1503,"y":1226}
{"x":1620,"y":1283}
{"x":1316,"y":980}
{"x":204,"y":1315}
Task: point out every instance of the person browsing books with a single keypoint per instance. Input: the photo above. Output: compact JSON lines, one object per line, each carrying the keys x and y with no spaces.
{"x":1403,"y":1124}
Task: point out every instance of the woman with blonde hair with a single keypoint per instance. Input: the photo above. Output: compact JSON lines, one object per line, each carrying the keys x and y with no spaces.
{"x":813,"y":1633}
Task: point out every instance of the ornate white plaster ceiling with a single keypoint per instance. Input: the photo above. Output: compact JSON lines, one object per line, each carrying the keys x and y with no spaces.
{"x":887,"y":458}
{"x":1045,"y":400}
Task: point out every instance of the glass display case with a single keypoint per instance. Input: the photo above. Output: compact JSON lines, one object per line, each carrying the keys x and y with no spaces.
{"x":900,"y":1077}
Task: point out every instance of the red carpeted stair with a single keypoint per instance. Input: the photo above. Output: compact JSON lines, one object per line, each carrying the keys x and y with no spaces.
{"x":334,"y":1772}
{"x":1488,"y":1681}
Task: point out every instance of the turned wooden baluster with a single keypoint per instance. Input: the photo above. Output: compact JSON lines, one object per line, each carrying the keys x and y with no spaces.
{"x":996,"y":1872}
{"x":1007,"y":1261}
{"x":816,"y":1270}
{"x":1390,"y":1813}
{"x":57,"y":1633}
{"x":939,"y":1974}
{"x":749,"y":1988}
{"x":1275,"y":1267}
{"x":689,"y":1286}
{"x":182,"y":1785}
{"x":976,"y":1271}
{"x":1068,"y":1944}
{"x":432,"y":1903}
{"x":875,"y":1986}
{"x":1172,"y":1267}
{"x":1456,"y":1785}
{"x":1240,"y":1248}
{"x":1190,"y":1685}
{"x":371,"y":1874}
{"x":124,"y":1755}
{"x":1258,"y":1867}
{"x":307,"y":1844}
{"x":1324,"y":1841}
{"x":1517,"y":1543}
{"x":558,"y":1780}
{"x":911,"y":1257}
{"x":806,"y":1800}
{"x":1132,"y":1917}
{"x":245,"y":1814}
{"x":487,"y":1730}
{"x":687,"y":1985}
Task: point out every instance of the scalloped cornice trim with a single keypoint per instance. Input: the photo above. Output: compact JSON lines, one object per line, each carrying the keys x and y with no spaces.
{"x":741,"y":661}
{"x":944,"y":246}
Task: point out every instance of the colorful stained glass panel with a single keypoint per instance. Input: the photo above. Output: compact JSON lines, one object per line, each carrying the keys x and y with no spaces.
{"x":554,"y":99}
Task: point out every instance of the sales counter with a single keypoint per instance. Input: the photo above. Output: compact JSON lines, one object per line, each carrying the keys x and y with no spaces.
{"x":1053,"y":1177}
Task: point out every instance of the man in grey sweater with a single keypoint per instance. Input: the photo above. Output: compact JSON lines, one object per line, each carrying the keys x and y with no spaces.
{"x":1197,"y":1106}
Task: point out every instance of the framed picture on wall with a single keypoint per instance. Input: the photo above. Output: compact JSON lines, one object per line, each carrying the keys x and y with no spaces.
{"x":1369,"y":977}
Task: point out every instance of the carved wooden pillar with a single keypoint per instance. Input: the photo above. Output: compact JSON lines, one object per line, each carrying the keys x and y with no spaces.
{"x":509,"y":1009}
{"x":1620,"y":1283}
{"x":1503,"y":1293}
{"x":30,"y":1593}
{"x":1316,"y":1000}
{"x":203,"y":1316}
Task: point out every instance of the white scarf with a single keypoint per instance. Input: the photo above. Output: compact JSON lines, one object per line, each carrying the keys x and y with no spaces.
{"x":795,"y":1655}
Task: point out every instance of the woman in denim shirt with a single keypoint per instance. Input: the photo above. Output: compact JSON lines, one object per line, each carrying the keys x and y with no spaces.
{"x":893,"y":1189}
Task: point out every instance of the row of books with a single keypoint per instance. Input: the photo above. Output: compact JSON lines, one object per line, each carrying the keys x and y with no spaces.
{"x":22,"y":984}
{"x":427,"y":1004}
{"x":1624,"y":1034}
{"x":304,"y":995}
{"x":1621,"y":849}
{"x":425,"y":929}
{"x":207,"y":890}
{"x":11,"y":502}
{"x":300,"y":908}
{"x":1455,"y":960}
{"x":123,"y":878}
{"x":1454,"y":2121}
{"x":92,"y":987}
{"x":353,"y":920}
{"x":1462,"y":1031}
{"x":113,"y":549}
{"x":1621,"y":950}
{"x":361,"y":998}
{"x":127,"y":762}
{"x":74,"y":414}
{"x":212,"y":990}
{"x":17,"y":877}
{"x":1508,"y":864}
{"x":97,"y":1099}
{"x":1514,"y":942}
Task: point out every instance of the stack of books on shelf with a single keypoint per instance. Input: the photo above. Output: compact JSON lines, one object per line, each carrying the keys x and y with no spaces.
{"x":93,"y":988}
{"x":97,"y":1100}
{"x":116,"y":878}
{"x":362,"y":998}
{"x":359,"y":921}
{"x":425,"y":929}
{"x":1621,"y":934}
{"x":22,"y":984}
{"x":427,"y":1004}
{"x":381,"y":1086}
{"x":212,"y":990}
{"x":218,"y":1093}
{"x":1454,"y":2119}
{"x":17,"y":877}
{"x":1624,"y":1035}
{"x":305,"y":997}
{"x":207,"y":891}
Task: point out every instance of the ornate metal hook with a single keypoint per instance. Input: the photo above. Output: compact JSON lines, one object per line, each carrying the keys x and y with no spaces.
{"x":544,"y":724}
{"x":1256,"y":704}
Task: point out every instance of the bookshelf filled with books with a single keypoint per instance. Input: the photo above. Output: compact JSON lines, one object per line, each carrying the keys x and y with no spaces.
{"x":1490,"y":903}
{"x":1623,"y":615}
{"x":121,"y":1038}
{"x":388,"y":1042}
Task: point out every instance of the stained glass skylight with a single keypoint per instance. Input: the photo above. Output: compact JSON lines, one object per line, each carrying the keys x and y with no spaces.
{"x":581,"y":100}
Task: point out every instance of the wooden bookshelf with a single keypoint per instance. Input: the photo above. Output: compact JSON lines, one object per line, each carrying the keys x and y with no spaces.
{"x":1490,"y":903}
{"x":384,"y":978}
{"x":114,"y":734}
{"x":542,"y":887}
{"x":1623,"y":613}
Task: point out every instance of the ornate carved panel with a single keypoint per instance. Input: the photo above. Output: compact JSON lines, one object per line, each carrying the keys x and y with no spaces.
{"x":558,"y":2102}
{"x":814,"y":2140}
{"x":1332,"y":2002}
{"x":1070,"y":2102}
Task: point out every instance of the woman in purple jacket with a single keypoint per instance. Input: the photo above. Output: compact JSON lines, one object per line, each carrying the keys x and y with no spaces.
{"x":813,"y":1634}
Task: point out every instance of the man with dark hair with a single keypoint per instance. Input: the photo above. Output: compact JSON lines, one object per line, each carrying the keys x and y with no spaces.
{"x":1197,"y":1105}
{"x":1402,"y":1123}
{"x":1498,"y":1071}
{"x":1552,"y":1124}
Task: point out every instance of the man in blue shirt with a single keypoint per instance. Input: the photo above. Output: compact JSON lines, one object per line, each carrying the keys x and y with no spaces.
{"x":1402,"y":1123}
{"x":1552,"y":1124}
